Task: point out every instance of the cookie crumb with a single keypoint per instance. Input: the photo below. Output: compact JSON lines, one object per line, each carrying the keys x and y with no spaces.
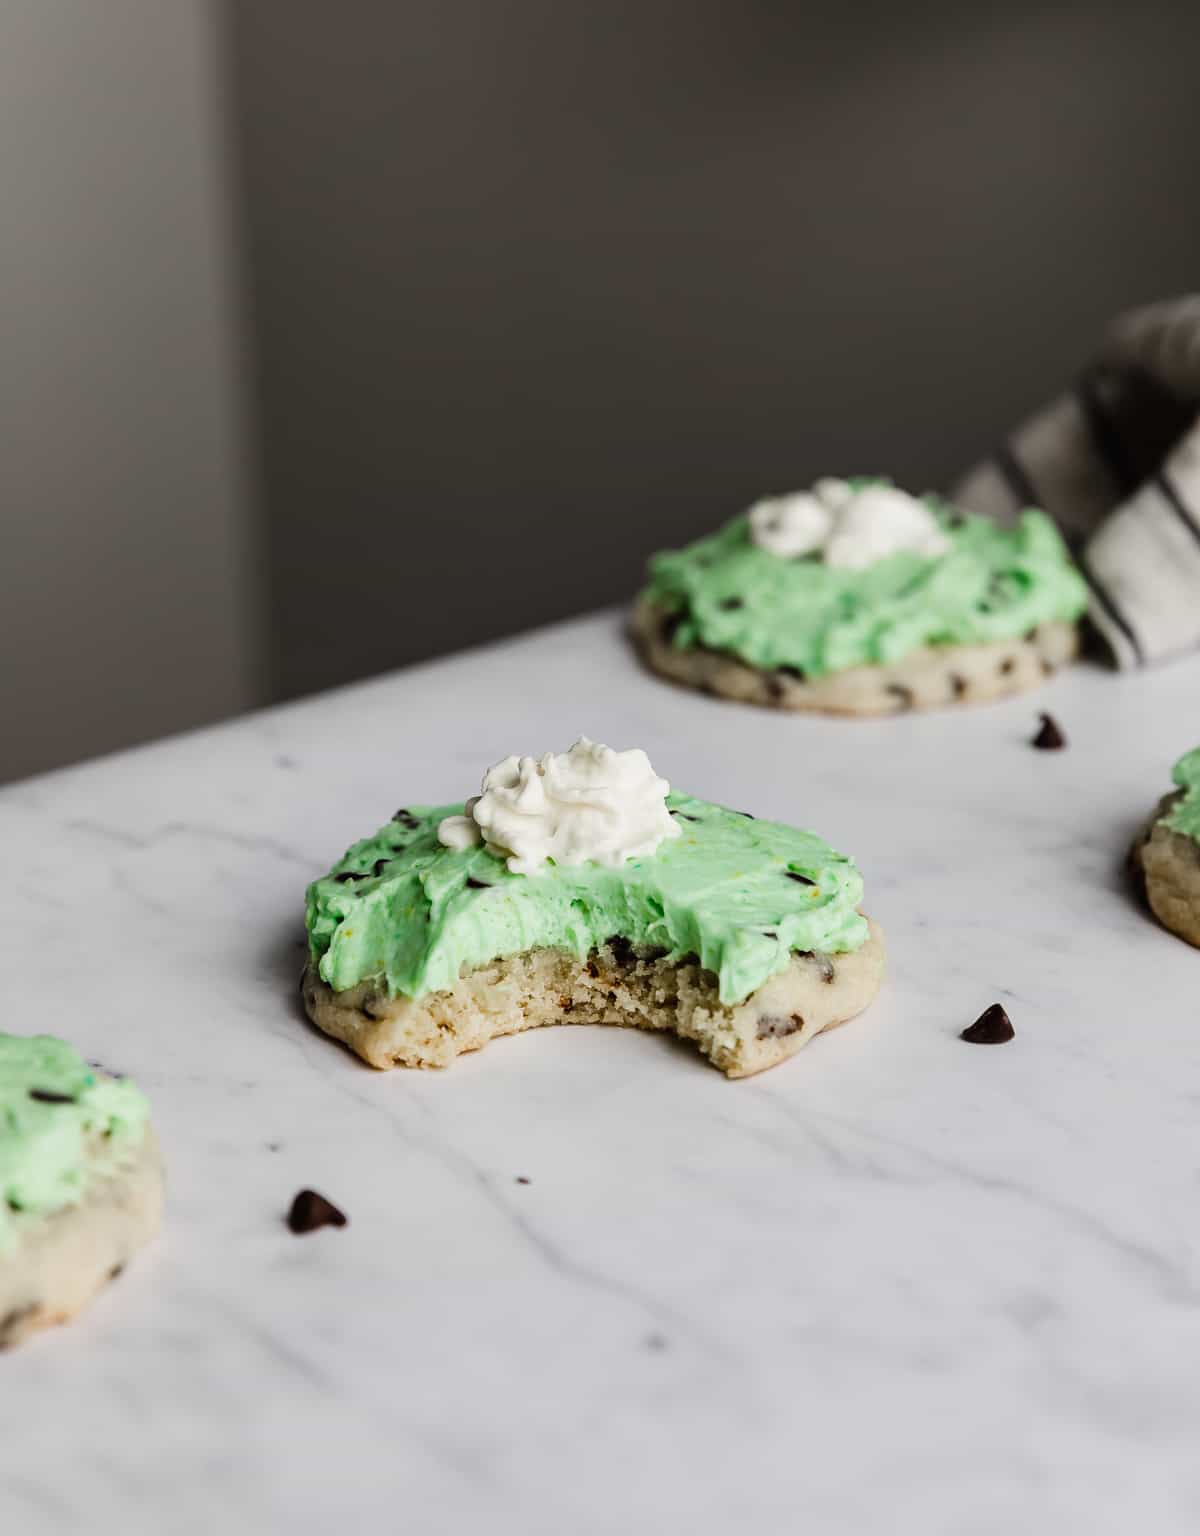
{"x":311,"y":1210}
{"x":1049,"y":737}
{"x":992,"y":1027}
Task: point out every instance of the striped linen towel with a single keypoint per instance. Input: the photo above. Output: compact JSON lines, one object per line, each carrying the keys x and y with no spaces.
{"x":1116,"y":463}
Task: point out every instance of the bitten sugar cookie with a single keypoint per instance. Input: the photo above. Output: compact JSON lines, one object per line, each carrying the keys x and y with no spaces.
{"x":578,"y":890}
{"x":80,"y":1182}
{"x":1166,"y":856}
{"x":856,"y":598}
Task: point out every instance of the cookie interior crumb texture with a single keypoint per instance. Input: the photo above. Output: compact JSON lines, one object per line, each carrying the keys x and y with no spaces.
{"x":614,"y":985}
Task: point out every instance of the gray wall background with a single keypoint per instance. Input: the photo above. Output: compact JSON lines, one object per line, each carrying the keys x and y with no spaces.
{"x":530,"y":289}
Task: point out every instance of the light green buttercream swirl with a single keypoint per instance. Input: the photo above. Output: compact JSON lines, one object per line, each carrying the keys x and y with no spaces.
{"x":739,"y":893}
{"x":52,"y":1146}
{"x":995,"y":583}
{"x":1184,"y":815}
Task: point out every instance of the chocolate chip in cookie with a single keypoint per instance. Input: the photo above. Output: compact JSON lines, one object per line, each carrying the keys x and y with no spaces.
{"x":772,"y":1025}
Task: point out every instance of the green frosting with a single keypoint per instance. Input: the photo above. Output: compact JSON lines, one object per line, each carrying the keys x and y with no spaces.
{"x":739,"y":893}
{"x":60,"y":1126}
{"x":1184,"y":815}
{"x":727,"y":594}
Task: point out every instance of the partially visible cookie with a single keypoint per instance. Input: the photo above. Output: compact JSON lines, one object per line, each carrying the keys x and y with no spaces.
{"x":1166,"y":864}
{"x":80,"y":1182}
{"x":855,"y":598}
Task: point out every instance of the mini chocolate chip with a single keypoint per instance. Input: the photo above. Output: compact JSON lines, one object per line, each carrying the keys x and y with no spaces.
{"x":622,"y":949}
{"x":1049,"y":737}
{"x":670,"y":623}
{"x":903,"y":695}
{"x":1047,"y":668}
{"x":794,"y":672}
{"x":1008,"y":665}
{"x":591,"y":969}
{"x":958,"y":684}
{"x":769,"y":933}
{"x":731,"y":604}
{"x":776,"y":689}
{"x":772,"y":1025}
{"x":117,"y":1269}
{"x":477,"y":885}
{"x":823,"y":964}
{"x":992,"y":1027}
{"x":521,"y":1179}
{"x":48,"y":1096}
{"x":349,"y":874}
{"x":379,"y":866}
{"x":683,"y":816}
{"x":798,"y":878}
{"x":746,"y":814}
{"x":311,"y":1210}
{"x":406,"y":819}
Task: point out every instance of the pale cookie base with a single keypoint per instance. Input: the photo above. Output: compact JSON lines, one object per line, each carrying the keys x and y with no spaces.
{"x":547,"y":986}
{"x":1167,"y":866}
{"x":60,"y":1261}
{"x":924,"y":679}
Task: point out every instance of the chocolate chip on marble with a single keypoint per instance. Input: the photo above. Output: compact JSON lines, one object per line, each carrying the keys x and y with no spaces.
{"x":1049,"y":737}
{"x":773,"y":1025}
{"x":48,"y":1096}
{"x":311,"y":1210}
{"x":406,"y":819}
{"x":992,"y":1027}
{"x":521,"y":1179}
{"x":903,"y":696}
{"x":800,"y":879}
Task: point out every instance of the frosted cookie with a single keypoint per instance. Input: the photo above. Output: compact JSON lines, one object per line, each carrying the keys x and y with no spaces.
{"x":80,"y":1182}
{"x":1166,"y":856}
{"x":579,"y":890}
{"x":856,"y":598}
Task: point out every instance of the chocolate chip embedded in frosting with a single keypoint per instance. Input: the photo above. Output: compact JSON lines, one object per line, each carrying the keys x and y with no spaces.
{"x":1049,"y":737}
{"x":379,"y":866}
{"x":795,"y":673}
{"x":347,"y":875}
{"x":406,"y":819}
{"x":311,"y":1210}
{"x":48,"y":1096}
{"x":772,"y":1025}
{"x":800,"y":879}
{"x":992,"y":1027}
{"x":732,"y":604}
{"x":477,"y":885}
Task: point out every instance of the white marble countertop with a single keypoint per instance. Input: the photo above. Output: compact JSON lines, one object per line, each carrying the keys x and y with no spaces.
{"x":900,"y":1284}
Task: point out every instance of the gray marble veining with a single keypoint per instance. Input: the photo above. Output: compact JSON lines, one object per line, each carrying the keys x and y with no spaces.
{"x":899,"y":1285}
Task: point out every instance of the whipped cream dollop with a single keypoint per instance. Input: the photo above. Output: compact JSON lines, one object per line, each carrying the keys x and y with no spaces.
{"x":850,"y":526}
{"x":590,"y":803}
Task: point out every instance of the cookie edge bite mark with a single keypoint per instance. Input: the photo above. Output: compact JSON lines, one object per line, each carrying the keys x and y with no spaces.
{"x":542,"y":987}
{"x":930,"y":677}
{"x":62,"y":1260}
